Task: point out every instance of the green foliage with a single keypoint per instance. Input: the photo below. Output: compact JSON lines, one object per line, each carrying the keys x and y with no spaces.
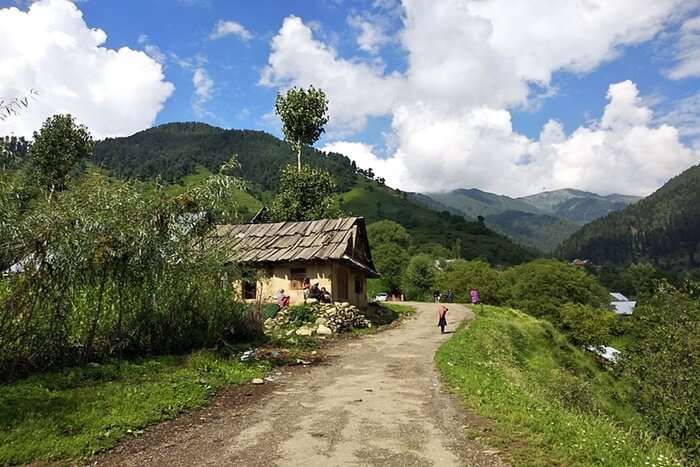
{"x":586,"y":325}
{"x":304,"y":113}
{"x":301,"y":314}
{"x":544,"y":401}
{"x":387,"y":231}
{"x":460,"y":276}
{"x":542,"y":287}
{"x":663,"y":364}
{"x":391,"y":261}
{"x":304,"y":195}
{"x":110,"y":270}
{"x":419,"y":278}
{"x":57,"y":148}
{"x":663,"y":229}
{"x":77,"y":412}
{"x":642,"y":278}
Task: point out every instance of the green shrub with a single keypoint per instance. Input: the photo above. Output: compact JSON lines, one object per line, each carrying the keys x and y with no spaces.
{"x":419,"y":278}
{"x":460,"y":276}
{"x":586,"y":325}
{"x":301,"y":314}
{"x":663,"y":365}
{"x":542,"y":287}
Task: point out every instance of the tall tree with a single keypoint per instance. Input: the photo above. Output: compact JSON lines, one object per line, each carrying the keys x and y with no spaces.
{"x":303,"y":196}
{"x":57,"y":147}
{"x":304,"y":113}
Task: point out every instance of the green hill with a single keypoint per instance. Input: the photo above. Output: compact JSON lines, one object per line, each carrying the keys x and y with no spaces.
{"x":663,"y":229}
{"x":540,"y":231}
{"x":183,"y":153}
{"x":578,"y":206}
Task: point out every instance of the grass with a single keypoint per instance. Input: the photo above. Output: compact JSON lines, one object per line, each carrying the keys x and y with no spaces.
{"x":549,"y":403}
{"x":75,"y":413}
{"x":401,"y":310}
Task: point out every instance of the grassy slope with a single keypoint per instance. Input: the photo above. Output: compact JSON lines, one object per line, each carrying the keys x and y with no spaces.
{"x":77,"y":412}
{"x":550,"y":403}
{"x":376,"y":202}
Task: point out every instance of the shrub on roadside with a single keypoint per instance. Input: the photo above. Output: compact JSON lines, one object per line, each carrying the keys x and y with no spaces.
{"x":460,"y":276}
{"x":419,"y":278}
{"x":586,"y":325}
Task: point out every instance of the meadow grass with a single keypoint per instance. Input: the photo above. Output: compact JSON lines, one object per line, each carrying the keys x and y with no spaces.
{"x":549,"y":402}
{"x":77,"y":412}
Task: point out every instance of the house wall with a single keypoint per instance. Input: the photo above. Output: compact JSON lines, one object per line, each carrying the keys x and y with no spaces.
{"x":326,"y":274}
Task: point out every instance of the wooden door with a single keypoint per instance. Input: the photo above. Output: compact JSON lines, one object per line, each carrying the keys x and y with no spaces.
{"x":342,"y":284}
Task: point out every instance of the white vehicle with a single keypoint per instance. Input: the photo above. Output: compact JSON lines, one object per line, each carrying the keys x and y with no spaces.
{"x":381,"y":297}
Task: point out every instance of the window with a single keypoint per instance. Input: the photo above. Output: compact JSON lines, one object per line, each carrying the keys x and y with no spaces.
{"x":358,"y":284}
{"x":296,"y":278}
{"x":250,"y":289}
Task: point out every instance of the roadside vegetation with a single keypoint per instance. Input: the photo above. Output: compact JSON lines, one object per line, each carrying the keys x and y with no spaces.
{"x":547,"y":402}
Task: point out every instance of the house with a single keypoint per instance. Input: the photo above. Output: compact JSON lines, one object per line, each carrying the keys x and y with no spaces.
{"x":606,"y":353}
{"x":622,"y":305}
{"x":333,"y":253}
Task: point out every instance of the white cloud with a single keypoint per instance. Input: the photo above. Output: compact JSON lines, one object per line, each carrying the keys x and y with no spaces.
{"x":228,"y":28}
{"x":49,"y":48}
{"x":203,"y":86}
{"x":371,"y":35}
{"x":687,"y":51}
{"x":469,"y":64}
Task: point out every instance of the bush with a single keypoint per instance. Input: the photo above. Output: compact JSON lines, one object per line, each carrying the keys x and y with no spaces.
{"x":460,"y":276}
{"x":663,"y":365}
{"x":586,"y":325}
{"x":419,"y":278}
{"x":542,"y":287}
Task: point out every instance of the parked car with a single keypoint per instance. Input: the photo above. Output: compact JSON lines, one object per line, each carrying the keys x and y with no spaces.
{"x":381,"y":297}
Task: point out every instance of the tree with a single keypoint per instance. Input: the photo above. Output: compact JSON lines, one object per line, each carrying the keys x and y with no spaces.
{"x":304,"y":113}
{"x":304,"y":195}
{"x":390,"y":260}
{"x":542,"y":287}
{"x":419,"y":278}
{"x":460,"y":276}
{"x":13,"y":106}
{"x":387,"y":231}
{"x":57,"y":147}
{"x":586,"y":325}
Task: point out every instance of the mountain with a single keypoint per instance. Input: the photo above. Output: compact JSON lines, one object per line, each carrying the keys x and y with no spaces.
{"x":663,"y":229}
{"x":578,"y":206}
{"x":539,"y":221}
{"x":182,"y":153}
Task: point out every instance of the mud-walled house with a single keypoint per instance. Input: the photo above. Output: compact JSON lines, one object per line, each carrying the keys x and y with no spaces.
{"x":333,"y":253}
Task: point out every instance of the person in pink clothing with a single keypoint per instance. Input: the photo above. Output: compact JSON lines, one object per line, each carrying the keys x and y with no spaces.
{"x":442,"y":318}
{"x":476,"y":299}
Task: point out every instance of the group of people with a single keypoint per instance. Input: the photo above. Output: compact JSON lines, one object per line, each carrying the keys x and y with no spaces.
{"x":313,"y":291}
{"x":448,"y":297}
{"x":442,"y":309}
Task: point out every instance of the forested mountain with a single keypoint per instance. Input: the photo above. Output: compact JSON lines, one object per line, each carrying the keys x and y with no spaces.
{"x":176,"y":151}
{"x":663,"y":229}
{"x":578,"y":206}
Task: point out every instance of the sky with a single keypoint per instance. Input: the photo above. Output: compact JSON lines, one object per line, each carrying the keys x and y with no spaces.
{"x":508,"y":97}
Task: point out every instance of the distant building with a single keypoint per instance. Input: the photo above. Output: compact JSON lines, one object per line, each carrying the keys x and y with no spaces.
{"x":333,"y":253}
{"x":605,"y":353}
{"x":580,"y":263}
{"x":622,"y":305}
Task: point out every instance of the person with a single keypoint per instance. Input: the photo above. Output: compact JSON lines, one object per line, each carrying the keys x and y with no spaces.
{"x":436,"y":295}
{"x":325,"y":296}
{"x":476,"y":298}
{"x":306,"y":286}
{"x":315,"y":292}
{"x":442,"y":318}
{"x":282,"y":299}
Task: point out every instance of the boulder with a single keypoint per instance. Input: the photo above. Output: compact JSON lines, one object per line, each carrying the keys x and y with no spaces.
{"x":323,"y":330}
{"x":304,"y":331}
{"x":258,"y":381}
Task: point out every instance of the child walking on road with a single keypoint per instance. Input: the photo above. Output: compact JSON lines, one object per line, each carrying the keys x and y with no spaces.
{"x":442,"y":318}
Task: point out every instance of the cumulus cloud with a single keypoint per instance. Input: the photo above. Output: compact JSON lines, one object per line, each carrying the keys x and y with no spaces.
{"x":371,"y":35}
{"x":49,"y":48}
{"x":687,"y":51}
{"x":468,"y":64}
{"x":230,"y":28}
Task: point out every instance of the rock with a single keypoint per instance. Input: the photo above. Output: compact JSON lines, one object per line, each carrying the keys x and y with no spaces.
{"x":311,"y":301}
{"x":258,"y":381}
{"x":323,"y":330}
{"x":304,"y":331}
{"x":321,"y":321}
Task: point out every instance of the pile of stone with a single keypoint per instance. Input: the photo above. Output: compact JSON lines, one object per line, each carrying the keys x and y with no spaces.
{"x":326,"y":320}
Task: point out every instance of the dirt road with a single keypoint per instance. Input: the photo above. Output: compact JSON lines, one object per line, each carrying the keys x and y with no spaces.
{"x":378,"y":403}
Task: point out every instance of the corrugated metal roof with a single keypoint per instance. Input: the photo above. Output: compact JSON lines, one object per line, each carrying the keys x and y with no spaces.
{"x":323,"y":239}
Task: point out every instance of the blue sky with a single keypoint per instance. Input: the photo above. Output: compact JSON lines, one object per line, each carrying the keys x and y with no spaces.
{"x":433,"y":95}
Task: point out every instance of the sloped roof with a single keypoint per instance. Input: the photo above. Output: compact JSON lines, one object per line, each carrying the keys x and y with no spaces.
{"x":325,"y":239}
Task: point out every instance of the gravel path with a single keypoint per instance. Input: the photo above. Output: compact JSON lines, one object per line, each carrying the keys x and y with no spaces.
{"x":378,"y":403}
